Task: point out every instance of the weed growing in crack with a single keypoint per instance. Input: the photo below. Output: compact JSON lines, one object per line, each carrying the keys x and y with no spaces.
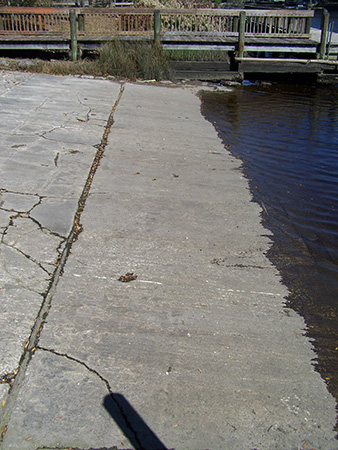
{"x":8,"y":378}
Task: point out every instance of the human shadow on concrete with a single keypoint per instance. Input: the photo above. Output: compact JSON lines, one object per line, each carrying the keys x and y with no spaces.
{"x":131,"y":423}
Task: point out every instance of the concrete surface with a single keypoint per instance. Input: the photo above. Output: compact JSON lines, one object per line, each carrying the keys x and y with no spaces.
{"x":198,"y":352}
{"x":316,"y":36}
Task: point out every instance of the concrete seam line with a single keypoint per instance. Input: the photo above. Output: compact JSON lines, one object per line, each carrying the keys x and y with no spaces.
{"x":34,"y":337}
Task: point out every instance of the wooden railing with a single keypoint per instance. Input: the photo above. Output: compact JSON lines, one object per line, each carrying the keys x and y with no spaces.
{"x":126,"y":21}
{"x":135,"y":21}
{"x":258,"y":22}
{"x":91,"y":21}
{"x":285,"y":23}
{"x":34,"y":21}
{"x":202,"y":21}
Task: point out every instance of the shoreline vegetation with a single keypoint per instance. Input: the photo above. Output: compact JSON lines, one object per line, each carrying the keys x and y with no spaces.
{"x":119,"y":59}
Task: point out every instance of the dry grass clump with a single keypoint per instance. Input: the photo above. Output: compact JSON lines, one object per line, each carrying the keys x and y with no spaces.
{"x":121,"y":59}
{"x":84,"y":67}
{"x":53,"y":67}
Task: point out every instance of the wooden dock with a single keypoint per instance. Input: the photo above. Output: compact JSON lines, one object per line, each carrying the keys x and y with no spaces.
{"x":265,"y":41}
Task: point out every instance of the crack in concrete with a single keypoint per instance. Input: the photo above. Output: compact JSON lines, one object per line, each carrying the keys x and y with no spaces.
{"x":18,"y":213}
{"x":105,"y":381}
{"x":99,"y":155}
{"x":46,"y":304}
{"x":6,"y":191}
{"x":42,"y":104}
{"x":86,"y":106}
{"x":43,"y":135}
{"x":78,"y":361}
{"x":30,"y":258}
{"x":10,"y":224}
{"x":9,"y":85}
{"x":87,"y":118}
{"x":26,"y":215}
{"x":45,"y":229}
{"x":56,"y":159}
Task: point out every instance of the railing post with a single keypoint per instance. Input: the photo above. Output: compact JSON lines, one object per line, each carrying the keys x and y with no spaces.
{"x":323,"y":37}
{"x":235,"y":24}
{"x":308,"y":25}
{"x":73,"y":34}
{"x":80,"y":19}
{"x":157,"y":26}
{"x":241,"y":33}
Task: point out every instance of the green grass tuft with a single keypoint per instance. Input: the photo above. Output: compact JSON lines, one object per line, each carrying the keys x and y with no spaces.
{"x":133,"y":60}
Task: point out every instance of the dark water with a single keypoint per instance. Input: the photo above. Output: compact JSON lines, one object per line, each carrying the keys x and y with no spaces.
{"x":333,"y":19}
{"x":287,"y":138}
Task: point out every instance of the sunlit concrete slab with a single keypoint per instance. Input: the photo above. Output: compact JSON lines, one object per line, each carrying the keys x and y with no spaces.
{"x":197,"y":350}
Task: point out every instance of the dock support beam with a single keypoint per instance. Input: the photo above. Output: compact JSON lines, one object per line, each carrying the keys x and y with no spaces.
{"x":323,"y":37}
{"x":241,"y":33}
{"x":73,"y":34}
{"x":157,"y":26}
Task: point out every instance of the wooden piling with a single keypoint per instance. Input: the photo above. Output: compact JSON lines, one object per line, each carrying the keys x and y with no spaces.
{"x":323,"y":37}
{"x":157,"y":26}
{"x":241,"y":33}
{"x":73,"y":35}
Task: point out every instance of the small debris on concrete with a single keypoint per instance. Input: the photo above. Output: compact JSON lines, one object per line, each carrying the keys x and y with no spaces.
{"x":129,"y":276}
{"x":218,"y":261}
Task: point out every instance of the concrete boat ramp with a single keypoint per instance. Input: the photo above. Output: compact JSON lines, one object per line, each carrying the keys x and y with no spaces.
{"x":193,"y":351}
